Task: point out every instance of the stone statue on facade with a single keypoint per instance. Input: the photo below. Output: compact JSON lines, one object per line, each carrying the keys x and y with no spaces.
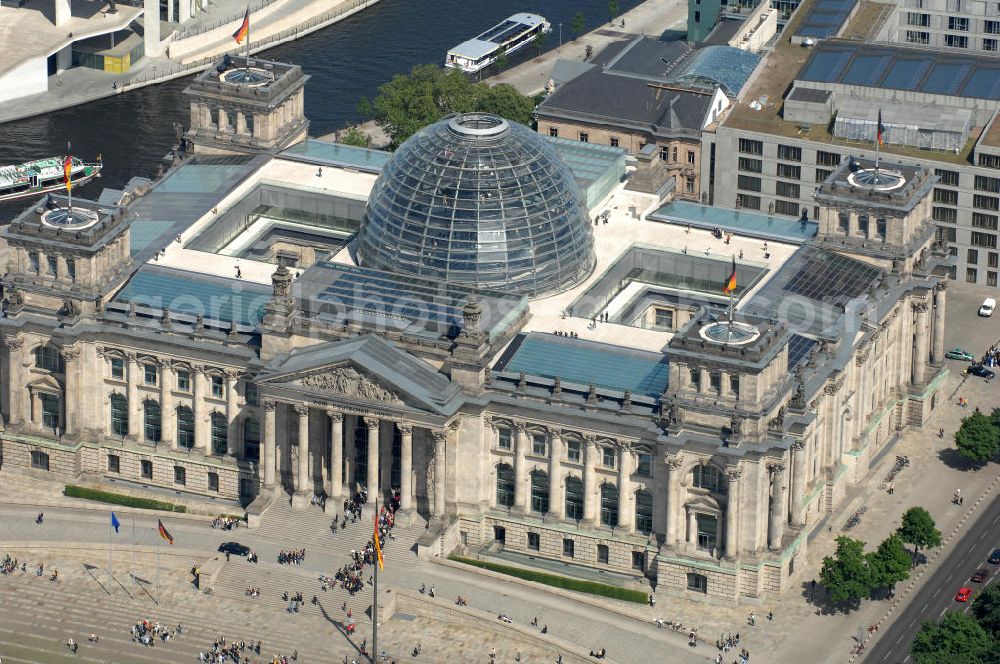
{"x":472,"y":313}
{"x":281,"y":280}
{"x":70,"y":308}
{"x":349,"y":382}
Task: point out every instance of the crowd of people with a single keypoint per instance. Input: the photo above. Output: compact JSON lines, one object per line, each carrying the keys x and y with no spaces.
{"x":991,"y":357}
{"x":350,"y":577}
{"x":146,"y":632}
{"x":291,"y":556}
{"x":239,"y":651}
{"x":225,"y":522}
{"x":252,"y":591}
{"x":9,"y":565}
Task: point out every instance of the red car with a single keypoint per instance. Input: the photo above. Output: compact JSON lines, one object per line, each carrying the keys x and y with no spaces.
{"x":963,"y":594}
{"x":980,"y":575}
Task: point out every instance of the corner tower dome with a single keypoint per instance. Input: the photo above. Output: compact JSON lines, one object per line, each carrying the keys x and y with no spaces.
{"x":478,"y":201}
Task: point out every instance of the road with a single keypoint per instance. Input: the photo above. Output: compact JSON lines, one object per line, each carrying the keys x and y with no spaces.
{"x":937,"y":595}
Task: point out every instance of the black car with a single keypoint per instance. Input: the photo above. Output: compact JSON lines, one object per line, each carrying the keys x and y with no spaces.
{"x":981,"y":371}
{"x":994,"y":557}
{"x":234,"y":548}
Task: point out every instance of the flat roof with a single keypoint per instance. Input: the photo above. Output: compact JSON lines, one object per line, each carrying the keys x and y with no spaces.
{"x":322,"y":153}
{"x":825,"y":18}
{"x":741,"y":222}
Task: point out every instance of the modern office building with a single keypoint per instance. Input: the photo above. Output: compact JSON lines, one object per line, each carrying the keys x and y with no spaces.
{"x":962,"y":25}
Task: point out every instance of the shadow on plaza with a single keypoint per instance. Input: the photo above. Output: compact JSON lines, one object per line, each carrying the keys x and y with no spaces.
{"x":951,"y":457}
{"x":339,"y":625}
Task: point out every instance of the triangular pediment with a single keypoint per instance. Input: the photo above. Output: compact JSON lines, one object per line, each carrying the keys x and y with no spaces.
{"x":348,"y":380}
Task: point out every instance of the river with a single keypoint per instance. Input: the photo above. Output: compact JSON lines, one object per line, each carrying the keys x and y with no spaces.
{"x":346,"y":61}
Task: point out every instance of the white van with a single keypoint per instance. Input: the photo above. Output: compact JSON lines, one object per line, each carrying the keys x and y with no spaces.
{"x":987,"y":307}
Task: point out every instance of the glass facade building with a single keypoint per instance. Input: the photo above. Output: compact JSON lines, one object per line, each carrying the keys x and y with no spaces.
{"x":476,"y":200}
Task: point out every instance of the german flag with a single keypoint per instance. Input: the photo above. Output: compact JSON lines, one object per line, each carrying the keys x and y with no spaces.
{"x":378,"y":546}
{"x":164,"y":534}
{"x":244,"y":28}
{"x":880,"y":133}
{"x":68,"y":172}
{"x":730,"y":285}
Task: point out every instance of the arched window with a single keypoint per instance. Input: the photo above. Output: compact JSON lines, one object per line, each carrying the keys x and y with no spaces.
{"x":251,"y":439}
{"x":644,"y":512}
{"x":505,"y":486}
{"x":47,"y":357}
{"x":151,"y":421}
{"x":539,"y":492}
{"x":185,"y":427}
{"x":707,"y":477}
{"x":220,"y":434}
{"x":119,"y":415}
{"x":609,"y":505}
{"x":574,"y":498}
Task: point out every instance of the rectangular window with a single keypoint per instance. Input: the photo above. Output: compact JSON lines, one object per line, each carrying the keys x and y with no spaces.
{"x":584,"y":137}
{"x":786,"y":189}
{"x":987,"y":240}
{"x":972,"y":256}
{"x":748,"y":182}
{"x":146,"y":469}
{"x":946,"y":234}
{"x":959,"y":23}
{"x":789,"y":153}
{"x":53,"y":265}
{"x":534,"y":541}
{"x":750,"y":146}
{"x":993,"y":259}
{"x":568,"y":548}
{"x":689,"y":184}
{"x":949,"y":178}
{"x":503,"y":438}
{"x":664,"y":318}
{"x":827,"y":158}
{"x":991,"y":27}
{"x":217,"y":387}
{"x":114,"y":463}
{"x":989,"y":160}
{"x":180,"y":475}
{"x":250,"y":391}
{"x":956,"y":41}
{"x":554,"y":132}
{"x":538,"y":444}
{"x":715,"y":381}
{"x":844,"y":222}
{"x":986,"y":183}
{"x":664,"y":153}
{"x":39,"y":460}
{"x":33,"y":262}
{"x":948,"y":215}
{"x":750,"y":165}
{"x":918,"y":19}
{"x":946,"y":196}
{"x":863,"y":225}
{"x":985,"y":202}
{"x":614,"y":142}
{"x":695,"y":375}
{"x":822,"y":174}
{"x":691,"y":157}
{"x":573,"y":451}
{"x":991,"y":279}
{"x":644,"y":468}
{"x":609,"y":454}
{"x":149,"y":373}
{"x":983,"y":220}
{"x":183,"y":381}
{"x":734,"y":385}
{"x":880,"y":227}
{"x":213,"y":481}
{"x":673,"y":154}
{"x":789,"y":171}
{"x":990,"y":45}
{"x":118,"y":368}
{"x":786,"y":207}
{"x":918,"y":37}
{"x":748,"y":201}
{"x":602,"y":554}
{"x":639,"y":560}
{"x":971,"y":275}
{"x":71,"y":269}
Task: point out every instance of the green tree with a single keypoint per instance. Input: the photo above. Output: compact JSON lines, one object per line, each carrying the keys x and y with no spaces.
{"x":613,"y":9}
{"x":353,"y":136}
{"x":986,"y":608}
{"x":918,"y":529}
{"x":957,"y":639}
{"x":501,"y":60}
{"x":364,"y":109}
{"x":578,"y":25}
{"x":539,"y":42}
{"x":846,"y":574}
{"x":890,"y":563}
{"x":504,"y":100}
{"x":978,"y":438}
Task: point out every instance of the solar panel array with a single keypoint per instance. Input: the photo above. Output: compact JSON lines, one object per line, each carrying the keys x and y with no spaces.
{"x":825,"y":18}
{"x":899,"y":68}
{"x":798,"y":347}
{"x":830,"y":277}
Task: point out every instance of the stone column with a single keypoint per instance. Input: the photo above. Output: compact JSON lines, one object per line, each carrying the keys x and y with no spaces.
{"x":940,"y":290}
{"x":386,"y":433}
{"x":406,"y":467}
{"x":71,"y":394}
{"x":921,"y":347}
{"x":168,"y":422}
{"x":232,"y":411}
{"x":626,"y":519}
{"x":692,"y":530}
{"x":350,"y":426}
{"x":373,"y":426}
{"x":16,"y":383}
{"x":673,"y":464}
{"x":776,"y":516}
{"x":269,"y":446}
{"x":732,"y":511}
{"x":132,"y":392}
{"x":300,"y":473}
{"x":198,"y":378}
{"x":521,"y":485}
{"x":589,"y":482}
{"x":798,"y":483}
{"x":557,"y":499}
{"x":440,"y":470}
{"x":335,"y":489}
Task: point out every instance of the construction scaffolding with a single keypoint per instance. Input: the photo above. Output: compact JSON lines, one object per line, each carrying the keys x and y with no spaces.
{"x":927,"y":127}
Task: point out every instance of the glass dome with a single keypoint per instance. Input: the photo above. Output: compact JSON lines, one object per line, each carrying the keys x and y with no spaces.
{"x":476,"y":200}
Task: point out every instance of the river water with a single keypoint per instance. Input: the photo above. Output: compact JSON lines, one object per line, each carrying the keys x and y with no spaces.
{"x":346,"y":61}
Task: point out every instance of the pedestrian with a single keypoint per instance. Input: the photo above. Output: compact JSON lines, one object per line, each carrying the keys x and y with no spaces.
{"x":961,"y":500}
{"x":770,"y":616}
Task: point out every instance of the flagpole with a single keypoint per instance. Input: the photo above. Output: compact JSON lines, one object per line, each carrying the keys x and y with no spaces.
{"x":158,"y":538}
{"x":133,"y":555}
{"x":878,"y":143}
{"x":111,"y":577}
{"x":248,"y":43}
{"x":374,"y":652}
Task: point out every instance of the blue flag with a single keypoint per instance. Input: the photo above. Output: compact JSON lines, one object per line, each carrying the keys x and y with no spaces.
{"x":115,"y":522}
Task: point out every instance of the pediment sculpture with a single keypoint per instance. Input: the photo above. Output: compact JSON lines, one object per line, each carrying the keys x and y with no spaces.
{"x":349,"y":382}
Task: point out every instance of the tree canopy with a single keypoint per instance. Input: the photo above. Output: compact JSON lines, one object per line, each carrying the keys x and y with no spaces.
{"x":353,"y":136}
{"x":578,"y":25}
{"x":957,"y":639}
{"x":978,"y":438}
{"x":410,"y":102}
{"x":986,"y":608}
{"x":846,"y":574}
{"x":919,"y":530}
{"x":890,"y":563}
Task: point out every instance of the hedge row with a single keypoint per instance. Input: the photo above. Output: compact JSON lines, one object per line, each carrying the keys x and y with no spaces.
{"x":579,"y":585}
{"x":74,"y":491}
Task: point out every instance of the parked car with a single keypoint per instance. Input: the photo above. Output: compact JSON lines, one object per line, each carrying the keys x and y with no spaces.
{"x":987,"y":307}
{"x":981,"y":575}
{"x":994,"y":557}
{"x":959,"y":354}
{"x":234,"y":548}
{"x":963,"y":594}
{"x":982,"y":372}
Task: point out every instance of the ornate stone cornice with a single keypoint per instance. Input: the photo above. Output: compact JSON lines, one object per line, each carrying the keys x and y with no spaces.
{"x":733,"y":473}
{"x":439,"y":435}
{"x":70,"y":353}
{"x":270,"y":405}
{"x":335,"y":416}
{"x":372,"y":422}
{"x":672,"y":461}
{"x":405,"y":429}
{"x":300,"y":409}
